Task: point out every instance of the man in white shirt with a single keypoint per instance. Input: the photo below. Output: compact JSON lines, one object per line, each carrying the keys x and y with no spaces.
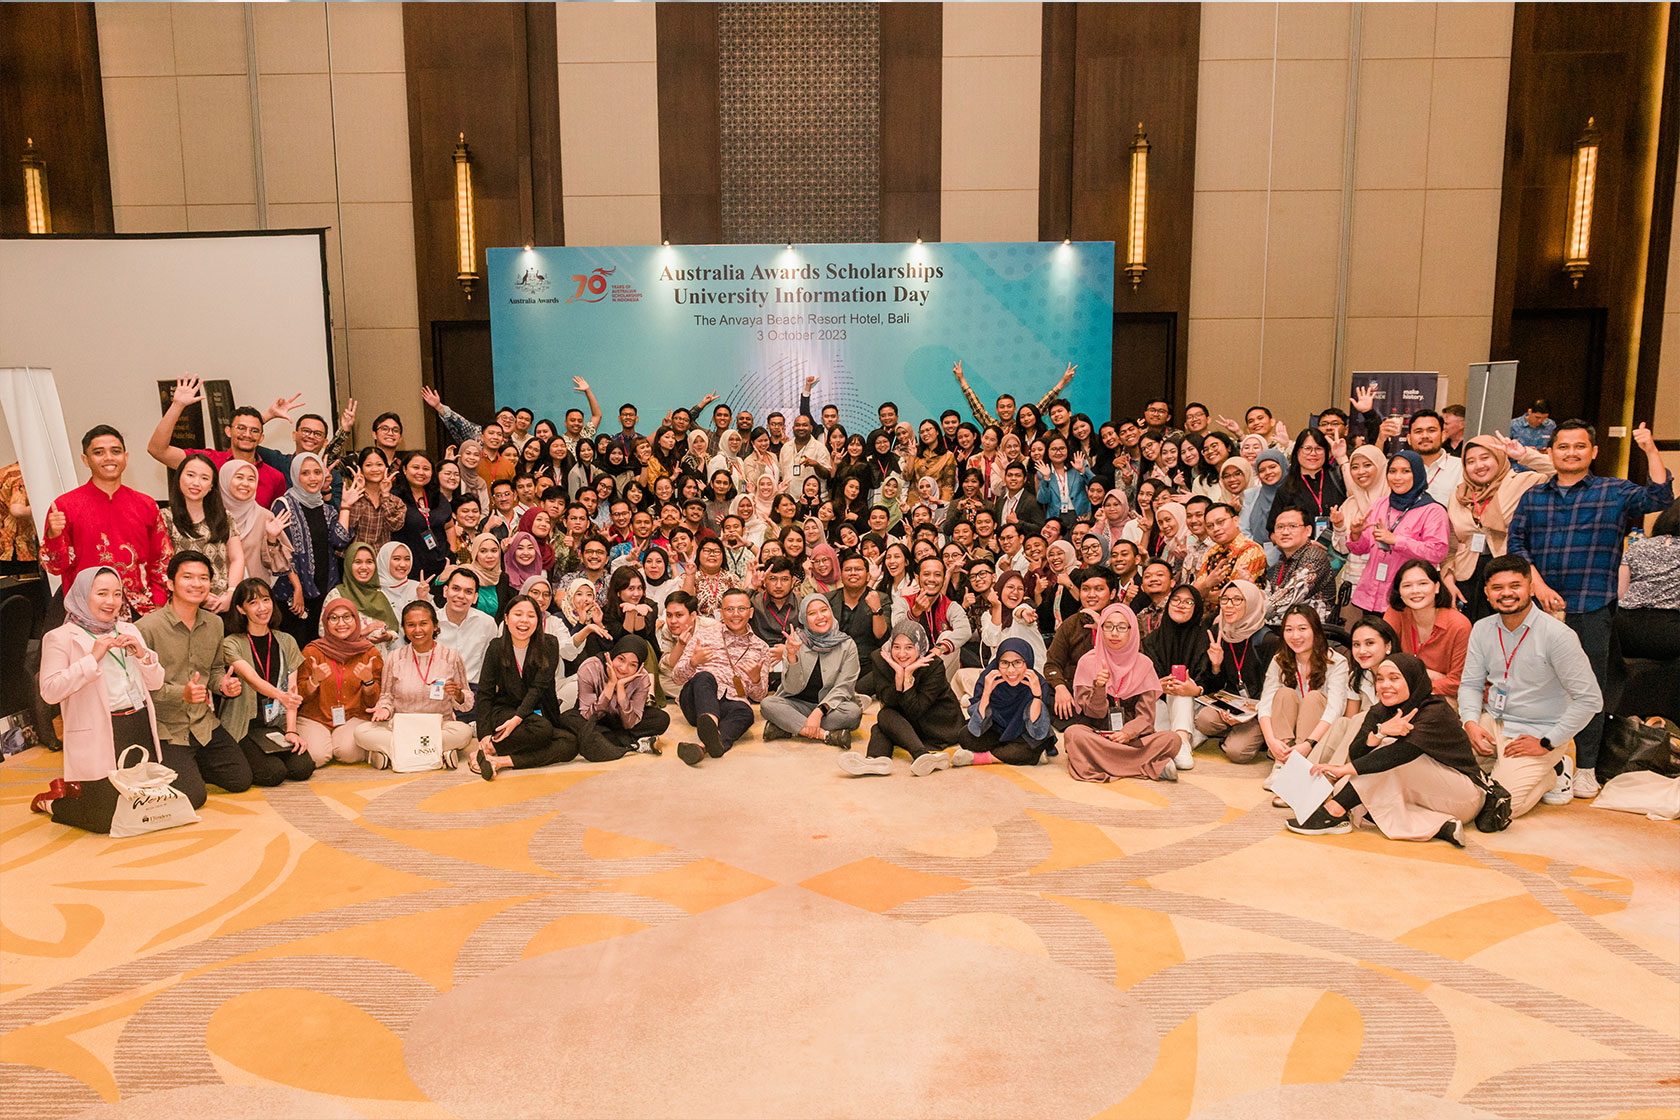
{"x":1443,"y":472}
{"x":1539,"y":688}
{"x":803,"y":456}
{"x":1010,"y":557}
{"x":462,"y":626}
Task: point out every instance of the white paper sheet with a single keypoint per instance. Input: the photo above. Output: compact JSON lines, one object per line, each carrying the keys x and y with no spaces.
{"x":1297,"y":785}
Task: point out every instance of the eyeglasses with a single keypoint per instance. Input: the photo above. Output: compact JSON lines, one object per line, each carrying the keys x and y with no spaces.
{"x":1116,"y":628}
{"x":1234,"y":600}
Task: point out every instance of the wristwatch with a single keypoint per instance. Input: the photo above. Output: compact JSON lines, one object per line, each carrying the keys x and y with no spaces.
{"x":1545,"y":742}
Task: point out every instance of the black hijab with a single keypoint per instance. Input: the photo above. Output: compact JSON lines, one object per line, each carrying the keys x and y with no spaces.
{"x":1436,"y":730}
{"x":1180,"y":643}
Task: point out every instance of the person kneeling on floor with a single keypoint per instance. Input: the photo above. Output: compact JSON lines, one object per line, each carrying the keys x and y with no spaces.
{"x":819,"y":674}
{"x":425,"y":677}
{"x":613,"y":693}
{"x":1008,"y":718}
{"x":1411,"y":767}
{"x":918,"y":708}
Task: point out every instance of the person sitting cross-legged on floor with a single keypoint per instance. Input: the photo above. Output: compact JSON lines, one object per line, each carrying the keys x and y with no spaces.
{"x":425,"y":677}
{"x":1009,"y":713}
{"x":1528,"y":689}
{"x":515,"y":695}
{"x":613,"y":694}
{"x":820,"y":670}
{"x":1115,"y":685}
{"x":716,"y":669}
{"x":1410,"y":767}
{"x":919,"y":712}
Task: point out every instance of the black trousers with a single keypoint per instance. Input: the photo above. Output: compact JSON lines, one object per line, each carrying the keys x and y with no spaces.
{"x":97,"y":804}
{"x":654,"y":723}
{"x":894,"y":729}
{"x":303,"y":629}
{"x":535,"y":742}
{"x":1019,"y":752}
{"x":700,"y":697}
{"x":272,"y":769}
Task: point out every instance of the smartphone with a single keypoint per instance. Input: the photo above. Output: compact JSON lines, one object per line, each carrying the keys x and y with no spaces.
{"x":1180,"y":673}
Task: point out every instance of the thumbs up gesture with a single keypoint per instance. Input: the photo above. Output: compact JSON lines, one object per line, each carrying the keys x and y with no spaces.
{"x":194,"y":692}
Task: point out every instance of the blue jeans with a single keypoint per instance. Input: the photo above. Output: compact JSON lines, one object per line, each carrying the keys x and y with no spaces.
{"x":1594,"y":628}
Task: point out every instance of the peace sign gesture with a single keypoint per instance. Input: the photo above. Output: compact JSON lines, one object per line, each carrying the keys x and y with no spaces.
{"x":1216,"y":655}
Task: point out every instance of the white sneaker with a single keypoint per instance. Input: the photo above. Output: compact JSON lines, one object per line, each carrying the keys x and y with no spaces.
{"x":1563,"y":792}
{"x":857,"y":765}
{"x":1586,"y":784}
{"x":961,"y":757}
{"x":1267,"y":784}
{"x":929,"y":762}
{"x":1169,"y":772}
{"x":1185,"y":759}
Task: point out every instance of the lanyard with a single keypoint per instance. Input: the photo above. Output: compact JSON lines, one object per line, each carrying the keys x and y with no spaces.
{"x":263,"y":662}
{"x":1239,"y":660}
{"x":1317,"y":495}
{"x":426,"y":673}
{"x":1478,"y":508}
{"x":338,"y":683}
{"x":122,"y":662}
{"x":1512,"y":656}
{"x":781,"y":620}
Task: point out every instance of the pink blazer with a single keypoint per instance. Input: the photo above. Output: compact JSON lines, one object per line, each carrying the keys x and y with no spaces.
{"x":72,"y":679}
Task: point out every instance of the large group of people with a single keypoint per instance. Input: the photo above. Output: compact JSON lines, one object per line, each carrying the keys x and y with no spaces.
{"x":1430,"y":620}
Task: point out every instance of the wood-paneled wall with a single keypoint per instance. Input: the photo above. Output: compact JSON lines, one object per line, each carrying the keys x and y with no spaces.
{"x":690,"y":169}
{"x":1107,"y":68}
{"x":911,"y":65}
{"x":1569,"y":62}
{"x":50,"y":91}
{"x":489,"y":71}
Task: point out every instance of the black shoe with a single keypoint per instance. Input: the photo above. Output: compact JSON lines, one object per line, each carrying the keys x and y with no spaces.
{"x":1320,"y":823}
{"x":1453,"y":833}
{"x":708,"y":730}
{"x":689,"y":753}
{"x":722,"y":749}
{"x":772,"y":732}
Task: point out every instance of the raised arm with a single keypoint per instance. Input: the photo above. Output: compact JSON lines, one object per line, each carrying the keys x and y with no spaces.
{"x":582,"y":386}
{"x":189,"y":390}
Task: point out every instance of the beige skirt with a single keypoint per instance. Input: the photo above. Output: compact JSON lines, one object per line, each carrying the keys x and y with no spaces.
{"x":1413,"y":800}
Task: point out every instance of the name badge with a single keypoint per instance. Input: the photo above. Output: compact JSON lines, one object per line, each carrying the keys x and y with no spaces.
{"x":338,"y":717}
{"x":271,"y":711}
{"x":437,"y":690}
{"x":1321,"y":526}
{"x":429,"y":541}
{"x":1497,"y":696}
{"x":1382,"y":569}
{"x":1116,"y":721}
{"x":1478,"y":542}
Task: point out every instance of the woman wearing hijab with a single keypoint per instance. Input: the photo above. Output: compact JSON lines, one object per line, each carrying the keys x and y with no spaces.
{"x":1115,"y":687}
{"x":580,"y":610}
{"x":101,"y":673}
{"x":494,"y":590}
{"x":1411,"y":766}
{"x":515,"y":697}
{"x":1236,"y":481}
{"x":422,"y":677}
{"x":891,"y":499}
{"x":1059,"y":595}
{"x":318,"y":533}
{"x":1369,"y":641}
{"x":1170,"y":538}
{"x":339,"y":682}
{"x":521,"y":559}
{"x":919,"y":712}
{"x":262,"y":535}
{"x":1479,"y":513}
{"x":1269,"y":469}
{"x":818,"y":697}
{"x":395,"y":565}
{"x":1009,"y":713}
{"x":1178,"y":650}
{"x":822,"y":568}
{"x":1406,"y":525}
{"x":1240,"y":647}
{"x":361,"y":587}
{"x":613,"y":694}
{"x":1364,"y":477}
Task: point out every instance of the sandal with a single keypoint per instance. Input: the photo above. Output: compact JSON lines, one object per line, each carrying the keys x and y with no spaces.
{"x":484,"y":768}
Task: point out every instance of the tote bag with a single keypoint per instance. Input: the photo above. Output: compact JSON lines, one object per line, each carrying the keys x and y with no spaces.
{"x":416,"y":743}
{"x":147,"y":800}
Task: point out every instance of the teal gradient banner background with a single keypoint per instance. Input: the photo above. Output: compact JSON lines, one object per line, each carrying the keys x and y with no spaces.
{"x":662,"y":326}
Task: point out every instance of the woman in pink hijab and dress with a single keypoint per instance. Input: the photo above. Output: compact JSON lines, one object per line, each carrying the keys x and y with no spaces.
{"x":1116,"y":686}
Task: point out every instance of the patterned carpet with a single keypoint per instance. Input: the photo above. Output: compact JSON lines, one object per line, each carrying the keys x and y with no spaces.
{"x":763,"y":936}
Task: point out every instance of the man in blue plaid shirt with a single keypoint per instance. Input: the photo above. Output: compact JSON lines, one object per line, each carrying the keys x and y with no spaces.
{"x":1571,"y":528}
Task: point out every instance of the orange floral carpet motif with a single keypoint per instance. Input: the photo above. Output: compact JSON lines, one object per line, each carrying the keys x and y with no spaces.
{"x":763,"y":936}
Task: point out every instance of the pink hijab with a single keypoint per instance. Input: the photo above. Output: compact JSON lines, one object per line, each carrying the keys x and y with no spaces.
{"x":1130,"y":673}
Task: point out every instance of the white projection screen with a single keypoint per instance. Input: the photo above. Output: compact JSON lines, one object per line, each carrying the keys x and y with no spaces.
{"x":112,"y":316}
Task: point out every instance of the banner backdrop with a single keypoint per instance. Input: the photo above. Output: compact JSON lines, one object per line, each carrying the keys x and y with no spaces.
{"x":662,"y":326}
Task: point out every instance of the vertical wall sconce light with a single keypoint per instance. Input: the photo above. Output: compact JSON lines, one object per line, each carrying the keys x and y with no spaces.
{"x":1583,"y":177}
{"x":1137,"y":213}
{"x":36,"y":208}
{"x":466,"y":235}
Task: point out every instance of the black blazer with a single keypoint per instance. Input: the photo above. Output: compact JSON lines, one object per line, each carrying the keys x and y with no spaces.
{"x":1028,"y":513}
{"x":502,"y":688}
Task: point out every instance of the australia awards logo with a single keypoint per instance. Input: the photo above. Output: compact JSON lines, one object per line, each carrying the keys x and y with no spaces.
{"x":533,"y":283}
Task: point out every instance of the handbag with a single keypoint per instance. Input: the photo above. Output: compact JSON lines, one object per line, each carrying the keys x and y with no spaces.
{"x":147,"y":800}
{"x":1640,"y":791}
{"x":1496,"y":807}
{"x":1630,"y":745}
{"x":416,"y":743}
